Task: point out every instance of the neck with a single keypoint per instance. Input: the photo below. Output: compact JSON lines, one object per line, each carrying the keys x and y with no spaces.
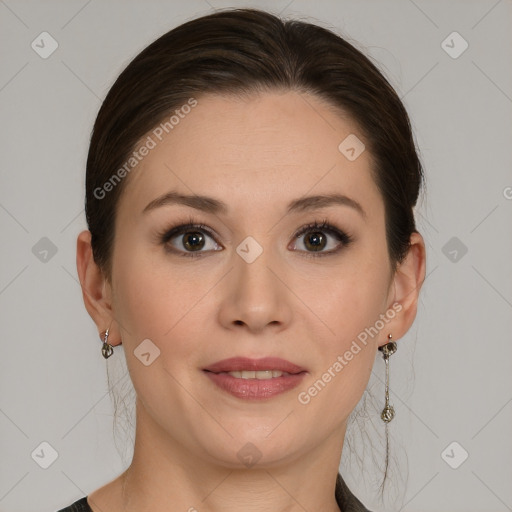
{"x":165,"y":475}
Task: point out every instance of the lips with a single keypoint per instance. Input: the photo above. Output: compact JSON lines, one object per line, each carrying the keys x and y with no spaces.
{"x":255,"y":379}
{"x":240,"y":364}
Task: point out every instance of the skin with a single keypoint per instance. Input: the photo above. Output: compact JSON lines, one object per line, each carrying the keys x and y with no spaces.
{"x":256,"y":155}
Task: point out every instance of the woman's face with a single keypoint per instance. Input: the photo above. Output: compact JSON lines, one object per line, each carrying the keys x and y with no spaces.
{"x":243,"y":285}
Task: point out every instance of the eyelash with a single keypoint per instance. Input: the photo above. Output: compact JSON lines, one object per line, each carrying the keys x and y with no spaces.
{"x":324,"y":225}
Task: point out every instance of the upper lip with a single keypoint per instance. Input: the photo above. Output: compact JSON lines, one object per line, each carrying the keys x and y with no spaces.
{"x":237,"y":364}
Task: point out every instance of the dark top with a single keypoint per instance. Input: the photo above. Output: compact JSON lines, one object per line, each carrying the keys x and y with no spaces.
{"x":345,"y":499}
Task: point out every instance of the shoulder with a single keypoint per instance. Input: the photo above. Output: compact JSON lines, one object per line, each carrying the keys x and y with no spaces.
{"x":80,"y":505}
{"x":345,"y":499}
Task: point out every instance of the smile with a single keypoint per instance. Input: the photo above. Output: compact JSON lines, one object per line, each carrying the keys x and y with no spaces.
{"x":260,"y":375}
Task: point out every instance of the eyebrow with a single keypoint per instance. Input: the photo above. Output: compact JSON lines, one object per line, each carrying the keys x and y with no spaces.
{"x":212,"y":205}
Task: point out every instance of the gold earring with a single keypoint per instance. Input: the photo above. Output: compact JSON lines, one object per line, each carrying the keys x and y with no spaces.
{"x":388,"y":413}
{"x":107,"y":350}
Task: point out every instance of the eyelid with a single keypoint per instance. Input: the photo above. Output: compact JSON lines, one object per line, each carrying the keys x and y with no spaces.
{"x":180,"y":228}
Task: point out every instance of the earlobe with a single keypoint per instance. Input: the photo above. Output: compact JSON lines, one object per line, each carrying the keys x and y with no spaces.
{"x":94,"y":288}
{"x":407,"y":283}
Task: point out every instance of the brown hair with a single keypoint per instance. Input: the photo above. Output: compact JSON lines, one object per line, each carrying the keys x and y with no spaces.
{"x":242,"y":51}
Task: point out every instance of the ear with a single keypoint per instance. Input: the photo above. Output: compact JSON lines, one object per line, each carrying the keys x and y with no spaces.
{"x":405,"y":289}
{"x":96,"y":289}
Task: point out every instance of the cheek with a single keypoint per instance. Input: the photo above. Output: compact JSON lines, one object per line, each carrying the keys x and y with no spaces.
{"x":136,"y":299}
{"x":352,"y":308}
{"x":158,"y":301}
{"x":357,"y":303}
{"x":153,"y":301}
{"x":354,"y":300}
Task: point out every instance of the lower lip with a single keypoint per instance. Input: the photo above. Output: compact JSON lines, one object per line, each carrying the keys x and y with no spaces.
{"x":255,"y":389}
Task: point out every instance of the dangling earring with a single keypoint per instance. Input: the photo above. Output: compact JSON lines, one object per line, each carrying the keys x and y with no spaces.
{"x":107,"y":350}
{"x":388,"y":413}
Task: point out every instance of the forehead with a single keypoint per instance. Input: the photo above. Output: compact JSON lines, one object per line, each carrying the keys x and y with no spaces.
{"x":268,"y":147}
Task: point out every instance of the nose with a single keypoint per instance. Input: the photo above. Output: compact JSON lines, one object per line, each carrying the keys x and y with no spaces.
{"x":255,"y":296}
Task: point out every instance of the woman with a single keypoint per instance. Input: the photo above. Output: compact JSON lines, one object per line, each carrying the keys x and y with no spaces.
{"x":249,"y":195}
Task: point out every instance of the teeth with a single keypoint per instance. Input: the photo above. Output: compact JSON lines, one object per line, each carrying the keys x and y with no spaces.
{"x":260,"y":375}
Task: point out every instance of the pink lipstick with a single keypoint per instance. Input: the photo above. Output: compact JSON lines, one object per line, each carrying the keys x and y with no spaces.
{"x":255,"y":379}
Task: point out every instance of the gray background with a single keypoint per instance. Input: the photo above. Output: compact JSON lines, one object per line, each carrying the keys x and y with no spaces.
{"x":451,"y":377}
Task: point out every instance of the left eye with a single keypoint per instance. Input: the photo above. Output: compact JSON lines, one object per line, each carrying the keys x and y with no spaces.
{"x":320,"y":238}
